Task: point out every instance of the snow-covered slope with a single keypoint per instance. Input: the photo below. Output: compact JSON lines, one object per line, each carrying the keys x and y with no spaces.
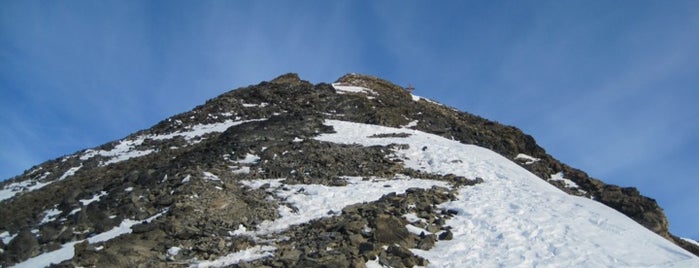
{"x":267,"y":176}
{"x":515,"y":219}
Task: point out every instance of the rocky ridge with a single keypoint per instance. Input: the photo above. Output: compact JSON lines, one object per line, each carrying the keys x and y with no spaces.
{"x":184,"y":177}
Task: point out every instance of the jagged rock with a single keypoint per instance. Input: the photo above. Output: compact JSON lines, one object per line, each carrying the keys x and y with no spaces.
{"x":640,"y":208}
{"x":23,"y":246}
{"x":446,"y":235}
{"x":426,"y":242}
{"x":389,"y":231}
{"x":290,"y":78}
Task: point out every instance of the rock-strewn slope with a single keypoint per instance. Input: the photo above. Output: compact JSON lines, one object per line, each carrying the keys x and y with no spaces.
{"x":172,"y":194}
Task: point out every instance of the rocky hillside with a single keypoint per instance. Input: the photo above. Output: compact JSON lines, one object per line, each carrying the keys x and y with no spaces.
{"x":219,"y":185}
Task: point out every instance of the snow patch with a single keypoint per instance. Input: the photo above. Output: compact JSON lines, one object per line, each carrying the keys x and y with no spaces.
{"x":374,"y":263}
{"x":6,"y":237}
{"x":240,"y":231}
{"x":126,"y":155}
{"x":50,"y":215}
{"x":202,"y":129}
{"x":123,"y":228}
{"x":411,"y":124}
{"x":306,"y":202}
{"x":249,"y":159}
{"x":210,"y":176}
{"x":341,"y":88}
{"x":241,"y":170}
{"x":123,"y":151}
{"x":416,"y":230}
{"x":692,"y":241}
{"x":249,"y":254}
{"x":412,"y":218}
{"x":72,"y":212}
{"x":261,"y":105}
{"x":418,"y":98}
{"x":67,"y":250}
{"x":559,"y":177}
{"x":15,"y":188}
{"x":528,"y":160}
{"x":94,"y":198}
{"x":70,"y":172}
{"x":172,"y":251}
{"x":126,"y":149}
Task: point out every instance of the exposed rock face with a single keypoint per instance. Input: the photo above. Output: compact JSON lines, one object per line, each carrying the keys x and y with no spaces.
{"x":178,"y":183}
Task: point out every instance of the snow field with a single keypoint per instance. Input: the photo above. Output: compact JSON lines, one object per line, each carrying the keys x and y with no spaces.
{"x":514,"y":218}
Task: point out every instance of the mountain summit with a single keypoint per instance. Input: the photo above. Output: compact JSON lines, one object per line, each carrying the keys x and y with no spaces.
{"x":357,"y":173}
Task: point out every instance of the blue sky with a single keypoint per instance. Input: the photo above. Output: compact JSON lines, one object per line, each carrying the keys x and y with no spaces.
{"x":609,"y":87}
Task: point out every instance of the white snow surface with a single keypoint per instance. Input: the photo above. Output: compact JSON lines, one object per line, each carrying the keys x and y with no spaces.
{"x":241,"y":170}
{"x":15,"y":188}
{"x":249,"y":159}
{"x":691,"y":241}
{"x":559,"y":177}
{"x":202,"y":129}
{"x":211,"y":176}
{"x":373,"y":264}
{"x":94,"y":198}
{"x":6,"y":237}
{"x":123,"y":151}
{"x":528,"y":160}
{"x":418,"y":98}
{"x":67,"y":250}
{"x":126,"y":149}
{"x":70,"y":172}
{"x":411,"y":124}
{"x":247,"y":105}
{"x":314,"y":201}
{"x":172,"y":251}
{"x":342,"y":89}
{"x":416,"y":230}
{"x":50,"y":215}
{"x":12,"y":189}
{"x":514,"y":218}
{"x":248,"y":254}
{"x":412,"y":218}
